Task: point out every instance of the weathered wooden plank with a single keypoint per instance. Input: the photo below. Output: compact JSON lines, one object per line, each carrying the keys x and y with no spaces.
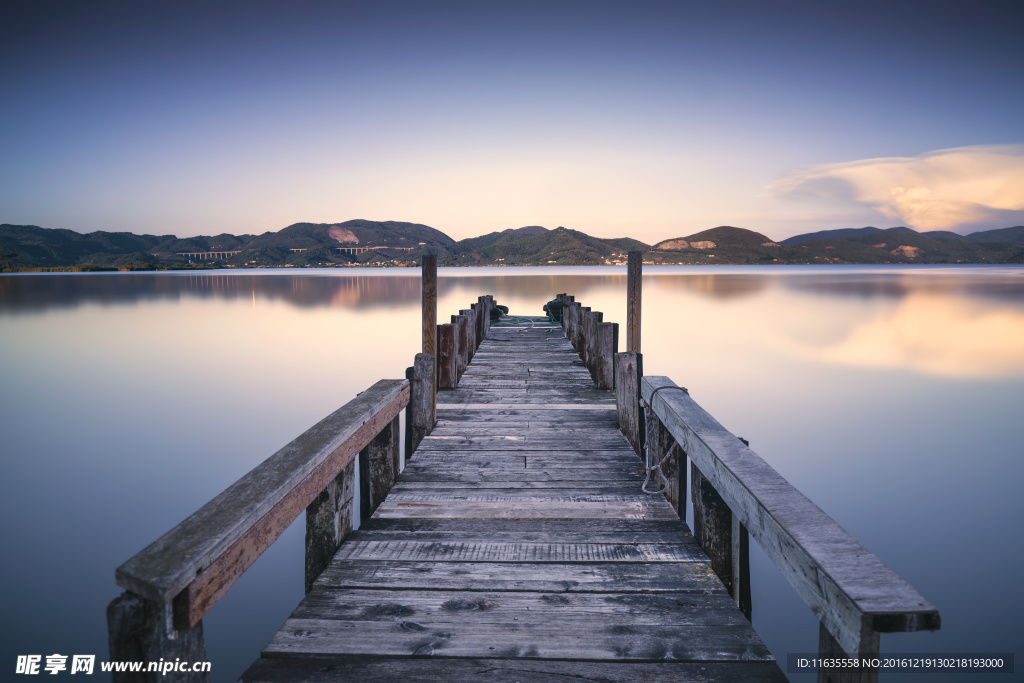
{"x":519,"y":551}
{"x":203,"y":555}
{"x":477,"y":404}
{"x":491,"y":475}
{"x":848,"y":589}
{"x":523,"y":526}
{"x":634,"y":291}
{"x":588,"y":577}
{"x":576,"y":535}
{"x":432,"y":669}
{"x":494,"y":607}
{"x":570,"y":639}
{"x":506,"y":510}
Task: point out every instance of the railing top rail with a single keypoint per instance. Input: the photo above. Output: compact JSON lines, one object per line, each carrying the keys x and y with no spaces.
{"x":261,"y":504}
{"x":849,"y":589}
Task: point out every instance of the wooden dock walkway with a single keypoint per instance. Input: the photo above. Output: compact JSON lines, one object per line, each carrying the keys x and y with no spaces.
{"x":517,"y":545}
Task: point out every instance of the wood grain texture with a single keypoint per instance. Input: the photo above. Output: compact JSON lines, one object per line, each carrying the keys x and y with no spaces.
{"x":447,"y":357}
{"x":329,"y":519}
{"x":849,"y":589}
{"x":420,"y":415}
{"x":519,"y":533}
{"x":628,"y":371}
{"x":428,"y":279}
{"x":634,"y":291}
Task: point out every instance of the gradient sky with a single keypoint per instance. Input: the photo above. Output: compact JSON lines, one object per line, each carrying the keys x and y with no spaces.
{"x":647,"y":119}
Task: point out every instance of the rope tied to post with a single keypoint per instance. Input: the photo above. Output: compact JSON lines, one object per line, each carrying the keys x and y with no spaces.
{"x":649,"y":456}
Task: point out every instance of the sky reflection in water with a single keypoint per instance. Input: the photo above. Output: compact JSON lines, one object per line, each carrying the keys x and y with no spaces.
{"x":890,"y":396}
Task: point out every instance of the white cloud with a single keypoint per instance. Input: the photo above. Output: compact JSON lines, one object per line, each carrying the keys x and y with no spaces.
{"x":965,"y":187}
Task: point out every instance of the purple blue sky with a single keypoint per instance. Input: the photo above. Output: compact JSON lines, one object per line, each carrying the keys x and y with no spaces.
{"x":642,"y":119}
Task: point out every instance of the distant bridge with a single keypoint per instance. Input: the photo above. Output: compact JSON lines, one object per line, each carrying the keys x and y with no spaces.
{"x":207,"y":255}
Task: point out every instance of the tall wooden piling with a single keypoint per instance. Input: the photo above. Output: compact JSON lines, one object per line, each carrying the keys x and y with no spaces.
{"x":634,"y":284}
{"x":429,"y":322}
{"x":429,"y":279}
{"x":593,"y":342}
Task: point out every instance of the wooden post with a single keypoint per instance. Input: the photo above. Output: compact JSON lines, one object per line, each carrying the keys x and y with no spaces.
{"x":828,"y":648}
{"x":593,"y":342}
{"x":481,"y":329}
{"x":420,"y":414}
{"x":628,"y":371}
{"x":608,"y":346}
{"x":429,"y":288}
{"x":447,"y":357}
{"x":461,"y":324}
{"x":376,"y":469}
{"x":712,"y":526}
{"x":581,"y":333}
{"x":137,"y":632}
{"x":328,"y":521}
{"x":429,"y":278}
{"x":568,"y":313}
{"x":634,"y":283}
{"x":470,"y":316}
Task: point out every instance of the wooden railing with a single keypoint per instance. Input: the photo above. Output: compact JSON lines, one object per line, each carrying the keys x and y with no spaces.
{"x":736,"y":494}
{"x":174,"y":581}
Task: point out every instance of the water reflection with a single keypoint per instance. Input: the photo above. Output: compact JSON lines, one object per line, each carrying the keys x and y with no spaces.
{"x":167,"y":387}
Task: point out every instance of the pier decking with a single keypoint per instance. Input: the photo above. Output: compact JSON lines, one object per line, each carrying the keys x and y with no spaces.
{"x":517,"y":545}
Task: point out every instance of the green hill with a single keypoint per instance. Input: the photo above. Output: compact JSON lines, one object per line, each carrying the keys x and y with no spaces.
{"x":560,"y":246}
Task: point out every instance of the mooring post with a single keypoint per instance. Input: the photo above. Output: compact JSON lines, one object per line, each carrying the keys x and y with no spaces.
{"x":447,"y":356}
{"x":328,"y":521}
{"x":608,"y":346}
{"x":429,"y":279}
{"x":377,"y":470}
{"x":470,"y":317}
{"x":634,"y":284}
{"x":628,"y":371}
{"x":137,"y":632}
{"x":420,"y":414}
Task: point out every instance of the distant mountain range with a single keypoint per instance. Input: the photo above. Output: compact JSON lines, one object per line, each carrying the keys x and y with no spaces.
{"x":392,"y":243}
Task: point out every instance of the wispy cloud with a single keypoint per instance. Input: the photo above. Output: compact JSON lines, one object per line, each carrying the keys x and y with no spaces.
{"x":978,"y":186}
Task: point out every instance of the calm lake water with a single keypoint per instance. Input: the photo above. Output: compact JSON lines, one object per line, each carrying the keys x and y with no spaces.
{"x":891,"y":396}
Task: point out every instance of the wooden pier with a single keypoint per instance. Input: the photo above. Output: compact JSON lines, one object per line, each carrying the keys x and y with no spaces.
{"x":517,"y":543}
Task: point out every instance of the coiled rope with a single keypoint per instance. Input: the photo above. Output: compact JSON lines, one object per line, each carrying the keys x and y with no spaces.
{"x":650,"y":423}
